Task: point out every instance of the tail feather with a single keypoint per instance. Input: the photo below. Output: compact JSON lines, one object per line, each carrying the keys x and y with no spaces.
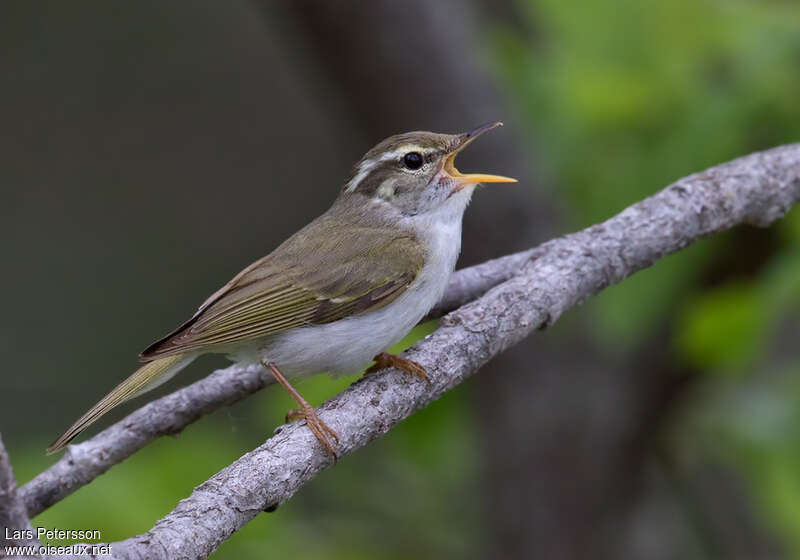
{"x":147,"y":377}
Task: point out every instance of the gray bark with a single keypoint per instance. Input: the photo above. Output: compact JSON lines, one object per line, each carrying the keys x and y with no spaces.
{"x":756,"y":190}
{"x":85,"y":461}
{"x":13,"y":516}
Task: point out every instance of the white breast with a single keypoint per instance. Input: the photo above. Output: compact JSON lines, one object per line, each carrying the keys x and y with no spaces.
{"x":345,"y":346}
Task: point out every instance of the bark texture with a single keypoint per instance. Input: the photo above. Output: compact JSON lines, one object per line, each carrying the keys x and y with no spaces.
{"x":13,"y":516}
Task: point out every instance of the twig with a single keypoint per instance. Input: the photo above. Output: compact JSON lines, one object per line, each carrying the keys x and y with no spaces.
{"x":85,"y":461}
{"x":14,"y":523}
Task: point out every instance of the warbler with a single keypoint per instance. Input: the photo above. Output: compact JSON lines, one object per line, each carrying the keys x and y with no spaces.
{"x":340,"y":291}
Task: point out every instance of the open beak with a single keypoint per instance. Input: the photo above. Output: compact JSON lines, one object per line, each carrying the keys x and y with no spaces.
{"x":465,"y":179}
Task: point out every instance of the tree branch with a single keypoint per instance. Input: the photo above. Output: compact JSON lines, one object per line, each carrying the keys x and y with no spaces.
{"x":13,"y":516}
{"x":85,"y":461}
{"x":756,"y":189}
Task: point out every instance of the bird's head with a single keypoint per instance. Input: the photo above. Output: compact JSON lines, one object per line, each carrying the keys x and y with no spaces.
{"x":415,"y":171}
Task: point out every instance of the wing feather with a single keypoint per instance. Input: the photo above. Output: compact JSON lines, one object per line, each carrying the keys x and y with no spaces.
{"x":301,"y":283}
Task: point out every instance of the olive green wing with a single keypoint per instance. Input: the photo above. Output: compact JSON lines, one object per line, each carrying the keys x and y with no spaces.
{"x":311,"y":279}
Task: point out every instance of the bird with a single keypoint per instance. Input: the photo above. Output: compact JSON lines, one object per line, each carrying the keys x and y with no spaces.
{"x":339,"y":292}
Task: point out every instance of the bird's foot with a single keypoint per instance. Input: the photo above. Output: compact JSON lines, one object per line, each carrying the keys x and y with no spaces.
{"x":324,"y":434}
{"x":385,"y":360}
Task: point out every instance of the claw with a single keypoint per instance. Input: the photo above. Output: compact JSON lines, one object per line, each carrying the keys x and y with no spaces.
{"x":320,"y":429}
{"x":384,"y":360}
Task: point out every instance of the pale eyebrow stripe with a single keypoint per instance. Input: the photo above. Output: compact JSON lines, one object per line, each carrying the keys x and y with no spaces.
{"x":363,"y":171}
{"x":368,"y":165}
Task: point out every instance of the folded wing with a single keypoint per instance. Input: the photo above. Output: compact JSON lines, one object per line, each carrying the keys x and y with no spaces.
{"x":313,"y":278}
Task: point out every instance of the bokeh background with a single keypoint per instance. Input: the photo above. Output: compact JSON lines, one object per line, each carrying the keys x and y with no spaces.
{"x":149,"y":150}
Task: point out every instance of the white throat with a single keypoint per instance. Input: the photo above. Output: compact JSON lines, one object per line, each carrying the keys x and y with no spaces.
{"x":440,"y":231}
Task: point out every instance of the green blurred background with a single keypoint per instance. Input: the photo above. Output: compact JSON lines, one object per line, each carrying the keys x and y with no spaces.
{"x":152,"y":149}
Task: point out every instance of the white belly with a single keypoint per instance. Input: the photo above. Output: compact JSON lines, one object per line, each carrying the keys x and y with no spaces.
{"x":345,"y":346}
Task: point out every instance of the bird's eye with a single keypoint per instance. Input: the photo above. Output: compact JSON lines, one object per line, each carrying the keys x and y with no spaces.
{"x":412,"y":160}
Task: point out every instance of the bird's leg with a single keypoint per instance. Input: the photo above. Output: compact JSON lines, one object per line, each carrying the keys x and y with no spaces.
{"x":385,"y":360}
{"x":320,"y":429}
